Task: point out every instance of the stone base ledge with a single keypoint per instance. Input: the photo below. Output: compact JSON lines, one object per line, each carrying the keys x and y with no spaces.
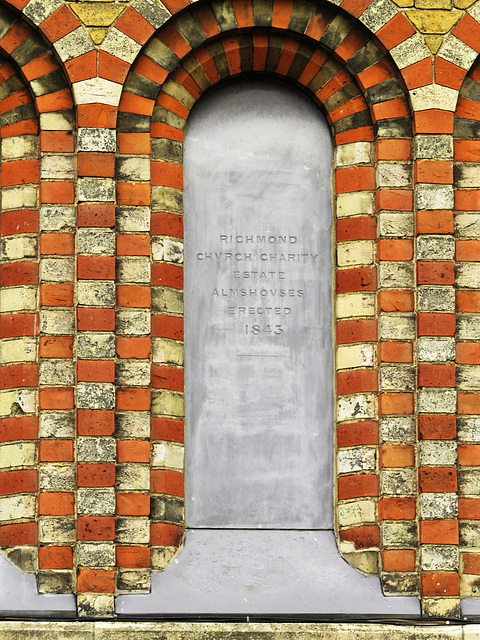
{"x":42,"y":630}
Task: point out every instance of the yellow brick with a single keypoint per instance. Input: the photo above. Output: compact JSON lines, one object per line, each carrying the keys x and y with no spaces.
{"x":433,"y":22}
{"x":433,"y":43}
{"x":463,"y":4}
{"x":404,"y":3}
{"x":433,"y":4}
{"x":352,"y":305}
{"x":97,"y":35}
{"x":94,"y":14}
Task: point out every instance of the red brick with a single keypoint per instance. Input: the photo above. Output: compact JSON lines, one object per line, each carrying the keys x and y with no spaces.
{"x":20,"y":172}
{"x":112,"y":68}
{"x":438,"y":222}
{"x":133,"y":557}
{"x":357,"y":433}
{"x":397,"y":30}
{"x":433,"y":121}
{"x":16,"y":222}
{"x":55,"y":558}
{"x":19,"y":273}
{"x":133,"y":143}
{"x":168,"y":429}
{"x":59,"y":24}
{"x":396,"y":456}
{"x":167,"y":327}
{"x":96,"y":581}
{"x":95,"y":319}
{"x":131,"y":103}
{"x":56,"y":398}
{"x":468,"y":30}
{"x":168,"y":224}
{"x":440,"y":584}
{"x":468,"y":403}
{"x":57,"y":142}
{"x":436,"y":375}
{"x":467,"y":250}
{"x":358,"y":228}
{"x":133,"y":400}
{"x":448,"y":74}
{"x":95,"y":475}
{"x":18,"y":428}
{"x":390,"y":109}
{"x":393,"y":149}
{"x":96,"y":164}
{"x":56,"y":295}
{"x":468,"y":509}
{"x":395,"y":404}
{"x":96,"y":528}
{"x":165,"y":535}
{"x":349,"y":331}
{"x":133,"y":451}
{"x":16,"y":535}
{"x":168,"y":482}
{"x":56,"y":451}
{"x":18,"y":325}
{"x":355,"y":381}
{"x":435,"y":273}
{"x":96,"y":267}
{"x":396,"y":509}
{"x":433,"y":172}
{"x":95,"y":423}
{"x":59,"y":244}
{"x":393,"y":301}
{"x":398,"y":560}
{"x":468,"y":455}
{"x":418,"y":74}
{"x":96,"y":115}
{"x":356,"y":179}
{"x":434,"y":479}
{"x":133,"y":347}
{"x":395,"y":352}
{"x":18,"y":375}
{"x":359,"y":279}
{"x":357,"y":486}
{"x":468,"y":352}
{"x":437,"y":427}
{"x":394,"y":200}
{"x":56,"y":347}
{"x":95,"y":371}
{"x":132,"y":23}
{"x":82,"y":67}
{"x":167,"y":378}
{"x":133,"y":194}
{"x":436,"y":324}
{"x":467,"y":200}
{"x":96,"y":215}
{"x":466,"y":150}
{"x":133,"y":245}
{"x":25,"y":481}
{"x":362,"y":537}
{"x":133,"y":504}
{"x":133,"y":296}
{"x":395,"y":250}
{"x":56,"y":504}
{"x":471,"y":563}
{"x":439,"y":532}
{"x":57,"y":192}
{"x":167,"y":275}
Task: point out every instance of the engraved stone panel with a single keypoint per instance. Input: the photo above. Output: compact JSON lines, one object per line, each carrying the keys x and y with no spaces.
{"x":258,"y":310}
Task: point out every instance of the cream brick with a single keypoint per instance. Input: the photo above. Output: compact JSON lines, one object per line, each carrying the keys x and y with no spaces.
{"x":435,"y":248}
{"x":167,"y":351}
{"x":468,"y":429}
{"x":168,"y":403}
{"x":396,"y":275}
{"x":433,"y":299}
{"x":356,"y":459}
{"x":468,"y":377}
{"x":398,"y":482}
{"x":18,"y":299}
{"x":350,"y":305}
{"x":57,"y":322}
{"x":467,"y":225}
{"x":468,"y":327}
{"x":57,"y":121}
{"x":18,"y":247}
{"x":397,"y":378}
{"x":93,"y":293}
{"x":167,"y":455}
{"x":435,"y":453}
{"x":74,"y":44}
{"x":468,"y":275}
{"x":396,"y":327}
{"x":131,"y":219}
{"x":20,"y":197}
{"x":18,"y":350}
{"x":355,"y":253}
{"x":434,"y":196}
{"x":135,"y":270}
{"x":438,"y":506}
{"x":360,"y":405}
{"x":96,"y":189}
{"x":395,"y":225}
{"x":356,"y":355}
{"x":19,"y":147}
{"x":17,"y":507}
{"x":394,"y":174}
{"x":356,"y":203}
{"x":436,"y":350}
{"x":15,"y":401}
{"x":457,"y":52}
{"x":92,"y":139}
{"x":377,"y":14}
{"x":437,"y":400}
{"x":353,"y":153}
{"x":99,"y":90}
{"x":433,"y":147}
{"x":409,"y":51}
{"x":57,"y":270}
{"x":59,"y":167}
{"x":352,"y":513}
{"x":120,"y":45}
{"x":57,"y":218}
{"x":439,"y":558}
{"x":18,"y":454}
{"x":433,"y":96}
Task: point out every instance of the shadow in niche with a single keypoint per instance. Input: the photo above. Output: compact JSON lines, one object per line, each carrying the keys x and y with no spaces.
{"x":19,"y":596}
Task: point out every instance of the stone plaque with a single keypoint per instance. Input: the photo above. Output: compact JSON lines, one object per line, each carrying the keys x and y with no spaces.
{"x":258,"y":310}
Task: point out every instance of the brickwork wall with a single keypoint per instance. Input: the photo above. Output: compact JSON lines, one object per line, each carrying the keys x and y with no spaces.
{"x":94,"y":99}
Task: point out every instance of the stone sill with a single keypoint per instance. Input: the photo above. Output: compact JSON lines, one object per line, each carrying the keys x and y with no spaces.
{"x":42,"y":630}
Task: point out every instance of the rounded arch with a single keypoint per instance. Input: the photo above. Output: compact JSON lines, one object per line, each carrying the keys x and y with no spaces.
{"x":349,"y":75}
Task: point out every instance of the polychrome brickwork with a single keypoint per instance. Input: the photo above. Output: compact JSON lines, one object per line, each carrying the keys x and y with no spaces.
{"x":94,"y":98}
